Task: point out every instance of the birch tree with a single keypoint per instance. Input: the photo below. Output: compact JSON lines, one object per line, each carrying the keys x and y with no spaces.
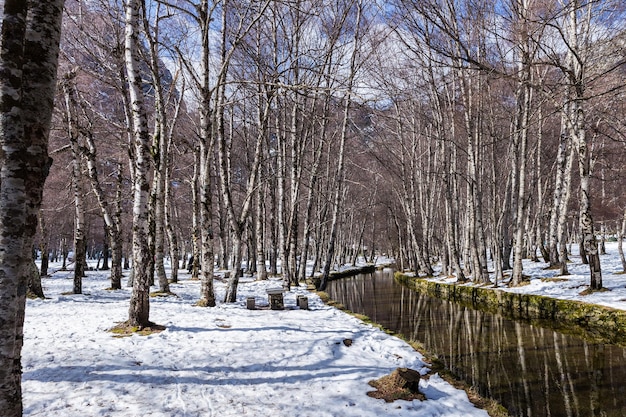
{"x":202,"y":14}
{"x":139,"y":310}
{"x":620,"y":240}
{"x":525,"y":51}
{"x":73,"y":131}
{"x":167,"y":110}
{"x":95,"y":51}
{"x":29,"y":46}
{"x":347,"y":104}
{"x":578,"y":37}
{"x":236,"y":220}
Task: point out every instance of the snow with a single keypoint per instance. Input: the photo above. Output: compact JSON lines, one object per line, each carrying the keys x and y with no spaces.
{"x":219,"y":361}
{"x":549,"y":283}
{"x":230,"y":361}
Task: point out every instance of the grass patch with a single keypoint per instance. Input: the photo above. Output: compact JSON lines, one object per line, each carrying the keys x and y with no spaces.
{"x":72,"y":293}
{"x":554,"y":279}
{"x":155,"y":294}
{"x":362,"y":317}
{"x":323,"y":296}
{"x":589,"y":291}
{"x":525,"y":281}
{"x":204,"y":303}
{"x":394,"y":387}
{"x":336,"y":304}
{"x":124,"y":329}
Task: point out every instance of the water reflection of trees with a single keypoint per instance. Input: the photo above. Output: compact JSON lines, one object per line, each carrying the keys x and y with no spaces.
{"x":534,"y":371}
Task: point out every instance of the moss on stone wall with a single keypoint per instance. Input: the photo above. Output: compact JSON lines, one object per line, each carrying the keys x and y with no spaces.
{"x":590,"y":321}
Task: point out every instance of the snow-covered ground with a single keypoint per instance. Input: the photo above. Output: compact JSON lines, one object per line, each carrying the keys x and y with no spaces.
{"x":571,"y":286}
{"x":230,"y":361}
{"x":221,"y":361}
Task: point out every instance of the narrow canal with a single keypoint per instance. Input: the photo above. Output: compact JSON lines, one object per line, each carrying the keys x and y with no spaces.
{"x":532,"y":371}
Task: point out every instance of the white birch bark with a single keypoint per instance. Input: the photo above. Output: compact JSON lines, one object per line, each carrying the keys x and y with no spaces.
{"x":29,"y":46}
{"x":558,"y":208}
{"x":139,"y":310}
{"x":578,"y":32}
{"x":77,"y":182}
{"x":620,"y":241}
{"x":340,"y":173}
{"x":520,"y":136}
{"x":237,"y":222}
{"x":111,"y":215}
{"x":162,"y":138}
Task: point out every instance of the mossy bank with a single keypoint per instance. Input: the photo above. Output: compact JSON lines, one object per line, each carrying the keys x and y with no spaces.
{"x":590,"y":321}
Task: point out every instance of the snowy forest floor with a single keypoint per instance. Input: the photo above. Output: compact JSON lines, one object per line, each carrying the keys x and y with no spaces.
{"x":214,"y":361}
{"x":548,"y":282}
{"x":231,"y":361}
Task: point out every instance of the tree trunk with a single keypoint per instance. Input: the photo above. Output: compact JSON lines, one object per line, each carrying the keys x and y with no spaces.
{"x":44,"y":244}
{"x":105,"y":249}
{"x":340,"y":173}
{"x":207,"y":291}
{"x":578,"y":32}
{"x":261,"y":269}
{"x":620,"y":241}
{"x":162,"y":139}
{"x":202,"y":172}
{"x":159,"y":230}
{"x":273,"y":226}
{"x":196,"y":238}
{"x":29,"y":46}
{"x":169,"y":228}
{"x":589,"y":242}
{"x":77,"y":187}
{"x":35,"y":290}
{"x":117,"y":244}
{"x":520,"y":137}
{"x":139,"y":310}
{"x":313,"y":183}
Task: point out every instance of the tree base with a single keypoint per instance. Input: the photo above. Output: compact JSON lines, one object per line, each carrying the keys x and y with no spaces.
{"x":124,"y":329}
{"x":401,"y":384}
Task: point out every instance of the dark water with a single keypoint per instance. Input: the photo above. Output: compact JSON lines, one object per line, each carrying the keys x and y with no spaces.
{"x":532,"y":371}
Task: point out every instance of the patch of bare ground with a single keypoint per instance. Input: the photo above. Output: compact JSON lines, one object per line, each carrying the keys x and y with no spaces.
{"x":401,"y":384}
{"x":124,"y":329}
{"x":163,"y":294}
{"x":589,"y":291}
{"x":557,"y":279}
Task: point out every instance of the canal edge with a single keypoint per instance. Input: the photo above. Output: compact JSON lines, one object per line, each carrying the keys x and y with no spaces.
{"x":491,"y":406}
{"x":592,"y":322}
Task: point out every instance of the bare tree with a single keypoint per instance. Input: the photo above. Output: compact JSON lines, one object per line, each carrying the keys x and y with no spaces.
{"x":29,"y":46}
{"x":73,"y":130}
{"x":578,"y":37}
{"x":347,"y":103}
{"x":139,"y":310}
{"x":237,"y":221}
{"x":620,"y":240}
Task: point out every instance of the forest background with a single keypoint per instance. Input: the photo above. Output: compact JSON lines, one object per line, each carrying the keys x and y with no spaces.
{"x":277,"y":132}
{"x":256,"y":135}
{"x":274,"y":132}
